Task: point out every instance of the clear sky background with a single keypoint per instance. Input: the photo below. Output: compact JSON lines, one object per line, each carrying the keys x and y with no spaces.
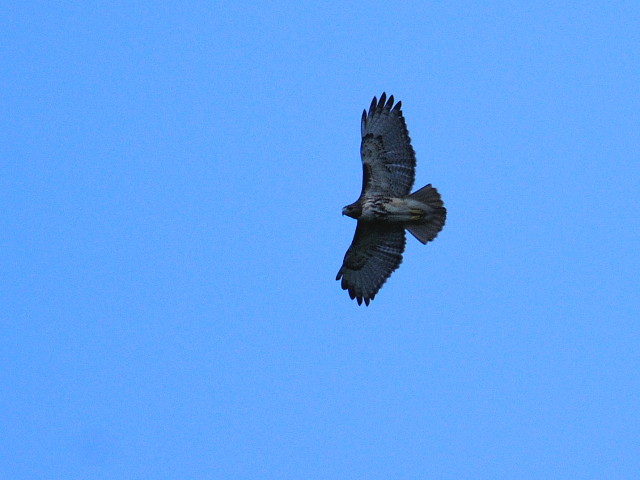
{"x":172,"y":180}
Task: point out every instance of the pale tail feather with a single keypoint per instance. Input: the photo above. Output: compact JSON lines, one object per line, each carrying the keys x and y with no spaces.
{"x":428,"y":231}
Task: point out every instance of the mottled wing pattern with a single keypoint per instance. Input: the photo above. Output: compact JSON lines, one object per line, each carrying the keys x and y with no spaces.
{"x":388,"y":159}
{"x":376,"y":251}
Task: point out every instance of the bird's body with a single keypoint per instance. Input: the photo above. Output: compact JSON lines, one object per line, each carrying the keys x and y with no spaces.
{"x":378,"y":208}
{"x":385,"y":206}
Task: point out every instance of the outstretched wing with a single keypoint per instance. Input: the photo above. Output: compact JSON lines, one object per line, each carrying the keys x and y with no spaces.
{"x":388,"y":159}
{"x":376,"y":251}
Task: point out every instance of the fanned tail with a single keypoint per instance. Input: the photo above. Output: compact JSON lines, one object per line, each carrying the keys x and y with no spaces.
{"x":436,"y":214}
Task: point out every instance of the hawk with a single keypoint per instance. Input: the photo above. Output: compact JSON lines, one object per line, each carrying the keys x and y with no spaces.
{"x":386,"y":207}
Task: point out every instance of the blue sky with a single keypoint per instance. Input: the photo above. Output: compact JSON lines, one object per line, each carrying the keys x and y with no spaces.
{"x":172,"y":184}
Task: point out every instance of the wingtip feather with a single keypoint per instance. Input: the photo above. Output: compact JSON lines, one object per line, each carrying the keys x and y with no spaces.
{"x":383,"y":100}
{"x":389,"y":103}
{"x":373,"y":106}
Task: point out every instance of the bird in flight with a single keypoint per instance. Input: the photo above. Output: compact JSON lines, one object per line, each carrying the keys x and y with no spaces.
{"x":386,"y":207}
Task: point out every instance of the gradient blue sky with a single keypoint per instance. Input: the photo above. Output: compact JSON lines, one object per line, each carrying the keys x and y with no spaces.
{"x":172,"y":181}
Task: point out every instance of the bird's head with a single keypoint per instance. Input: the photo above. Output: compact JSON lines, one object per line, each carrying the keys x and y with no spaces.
{"x":354,"y":210}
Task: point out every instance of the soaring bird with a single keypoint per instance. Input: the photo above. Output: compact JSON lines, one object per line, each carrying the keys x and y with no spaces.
{"x":386,"y":207}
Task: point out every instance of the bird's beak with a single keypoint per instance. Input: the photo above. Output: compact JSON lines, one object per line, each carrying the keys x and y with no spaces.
{"x":343,"y":211}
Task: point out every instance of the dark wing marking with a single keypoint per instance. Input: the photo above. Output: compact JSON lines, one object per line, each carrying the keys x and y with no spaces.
{"x":375,"y":252}
{"x":388,"y":159}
